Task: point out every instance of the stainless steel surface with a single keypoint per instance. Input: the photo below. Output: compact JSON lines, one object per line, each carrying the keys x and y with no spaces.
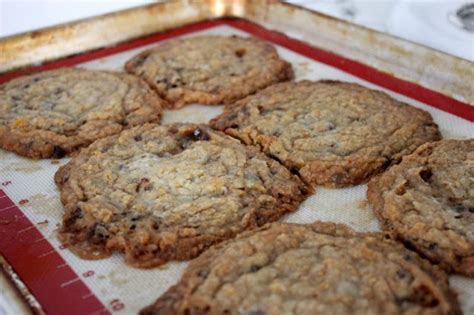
{"x":15,"y":298}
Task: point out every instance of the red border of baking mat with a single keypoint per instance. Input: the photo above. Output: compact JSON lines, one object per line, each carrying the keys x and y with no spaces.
{"x":49,"y":278}
{"x":56,"y":286}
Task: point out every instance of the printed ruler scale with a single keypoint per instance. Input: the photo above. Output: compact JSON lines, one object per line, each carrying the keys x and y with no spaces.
{"x":49,"y":278}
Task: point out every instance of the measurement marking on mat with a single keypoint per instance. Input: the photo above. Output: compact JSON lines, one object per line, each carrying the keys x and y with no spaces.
{"x":9,"y":207}
{"x":61,"y":266}
{"x":39,"y":240}
{"x":25,"y":229}
{"x":87,"y":296}
{"x":98,"y":312}
{"x":65,"y":284}
{"x":47,"y":253}
{"x":117,"y":305}
{"x":1,"y":197}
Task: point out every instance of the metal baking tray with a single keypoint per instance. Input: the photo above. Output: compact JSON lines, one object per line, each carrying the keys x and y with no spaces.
{"x":57,"y":282}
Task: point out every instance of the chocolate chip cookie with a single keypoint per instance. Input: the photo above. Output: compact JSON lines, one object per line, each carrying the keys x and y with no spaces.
{"x":330,"y":133}
{"x":53,"y":113}
{"x":209,"y":69}
{"x":320,"y":268}
{"x":428,"y":202}
{"x":161,"y":193}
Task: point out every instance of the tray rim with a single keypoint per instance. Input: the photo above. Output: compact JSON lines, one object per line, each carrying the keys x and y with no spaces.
{"x":400,"y":58}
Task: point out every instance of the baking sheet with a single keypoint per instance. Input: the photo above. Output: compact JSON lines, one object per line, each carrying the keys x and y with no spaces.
{"x":112,"y":281}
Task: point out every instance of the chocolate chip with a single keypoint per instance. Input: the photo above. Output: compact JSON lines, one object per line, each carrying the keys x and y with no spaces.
{"x":133,"y":227}
{"x":402,"y":274}
{"x":136,"y":218}
{"x":254,"y":268}
{"x":98,"y":233}
{"x":426,"y":175}
{"x":58,"y":152}
{"x":294,"y":170}
{"x":199,"y":134}
{"x":433,"y":246}
{"x":240,"y":52}
{"x":78,"y":213}
{"x":462,"y":208}
{"x":75,"y":215}
{"x":138,"y":138}
{"x":155,"y":222}
{"x":163,"y":81}
{"x":458,"y":216}
{"x":424,"y":296}
{"x":144,"y":184}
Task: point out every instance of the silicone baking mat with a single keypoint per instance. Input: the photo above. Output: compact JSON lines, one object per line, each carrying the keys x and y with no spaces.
{"x":30,"y":210}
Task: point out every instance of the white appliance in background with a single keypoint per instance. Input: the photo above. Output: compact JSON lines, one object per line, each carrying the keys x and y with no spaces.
{"x":444,"y":25}
{"x":439,"y":24}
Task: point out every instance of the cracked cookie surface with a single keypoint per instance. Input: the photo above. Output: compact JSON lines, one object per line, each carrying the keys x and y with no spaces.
{"x":210,"y":69}
{"x":428,"y":202}
{"x":319,"y":268}
{"x":54,"y":113}
{"x":331,"y":133}
{"x":161,"y":193}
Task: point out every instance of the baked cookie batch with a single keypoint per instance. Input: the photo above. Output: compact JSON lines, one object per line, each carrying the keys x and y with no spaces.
{"x":175,"y":192}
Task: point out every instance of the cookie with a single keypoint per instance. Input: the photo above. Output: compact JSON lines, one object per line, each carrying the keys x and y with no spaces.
{"x":161,"y":193}
{"x":428,"y":202}
{"x":320,"y":268}
{"x":209,"y":69}
{"x":330,"y":133}
{"x":54,"y":113}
